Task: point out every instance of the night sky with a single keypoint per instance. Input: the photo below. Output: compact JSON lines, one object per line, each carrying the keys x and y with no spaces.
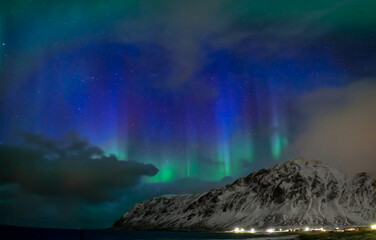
{"x":106,"y":103}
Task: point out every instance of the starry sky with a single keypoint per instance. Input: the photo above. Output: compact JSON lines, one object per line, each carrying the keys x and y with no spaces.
{"x":106,"y":103}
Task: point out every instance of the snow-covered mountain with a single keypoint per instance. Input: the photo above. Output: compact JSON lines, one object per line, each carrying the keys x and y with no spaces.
{"x":296,"y":193}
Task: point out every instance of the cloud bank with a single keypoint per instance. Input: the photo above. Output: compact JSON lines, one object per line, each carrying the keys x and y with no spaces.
{"x":339,"y":127}
{"x":70,"y":167}
{"x":69,"y":182}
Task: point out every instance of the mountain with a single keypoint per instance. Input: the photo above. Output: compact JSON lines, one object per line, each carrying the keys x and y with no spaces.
{"x":296,"y":193}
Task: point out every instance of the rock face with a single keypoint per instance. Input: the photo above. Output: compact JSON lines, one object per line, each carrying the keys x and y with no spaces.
{"x":296,"y":193}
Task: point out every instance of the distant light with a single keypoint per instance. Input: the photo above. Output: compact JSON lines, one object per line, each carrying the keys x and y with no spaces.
{"x":373,"y":226}
{"x":270,"y":230}
{"x":280,"y":229}
{"x":306,"y":229}
{"x":252,"y":230}
{"x":239,"y":230}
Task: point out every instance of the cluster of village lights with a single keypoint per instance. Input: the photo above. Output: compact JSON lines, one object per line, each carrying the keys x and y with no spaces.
{"x":272,"y":230}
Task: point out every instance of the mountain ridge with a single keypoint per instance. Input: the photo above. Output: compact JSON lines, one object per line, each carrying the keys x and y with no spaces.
{"x":295,"y":193}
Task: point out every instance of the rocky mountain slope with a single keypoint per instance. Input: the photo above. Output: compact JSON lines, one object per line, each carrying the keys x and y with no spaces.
{"x":296,"y":193}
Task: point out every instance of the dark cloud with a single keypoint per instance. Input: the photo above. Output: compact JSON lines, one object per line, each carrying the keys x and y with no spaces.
{"x":63,"y":211}
{"x":339,"y":127}
{"x":70,"y":183}
{"x":69,"y":167}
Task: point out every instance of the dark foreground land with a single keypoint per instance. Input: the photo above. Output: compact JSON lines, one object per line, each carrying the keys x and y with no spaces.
{"x":362,"y":235}
{"x":10,"y":232}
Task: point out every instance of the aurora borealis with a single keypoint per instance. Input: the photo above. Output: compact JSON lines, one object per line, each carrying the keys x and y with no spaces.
{"x":206,"y":91}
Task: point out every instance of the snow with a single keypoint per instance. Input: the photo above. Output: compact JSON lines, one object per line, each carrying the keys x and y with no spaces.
{"x":296,"y":193}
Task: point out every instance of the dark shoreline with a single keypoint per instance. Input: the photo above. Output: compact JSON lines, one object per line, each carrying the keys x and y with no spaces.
{"x":29,"y":233}
{"x":16,"y":232}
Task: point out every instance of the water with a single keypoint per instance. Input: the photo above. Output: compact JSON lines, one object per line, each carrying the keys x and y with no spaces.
{"x":7,"y":232}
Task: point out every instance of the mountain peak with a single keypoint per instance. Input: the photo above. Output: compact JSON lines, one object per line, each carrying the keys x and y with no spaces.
{"x":296,"y":193}
{"x":304,"y":161}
